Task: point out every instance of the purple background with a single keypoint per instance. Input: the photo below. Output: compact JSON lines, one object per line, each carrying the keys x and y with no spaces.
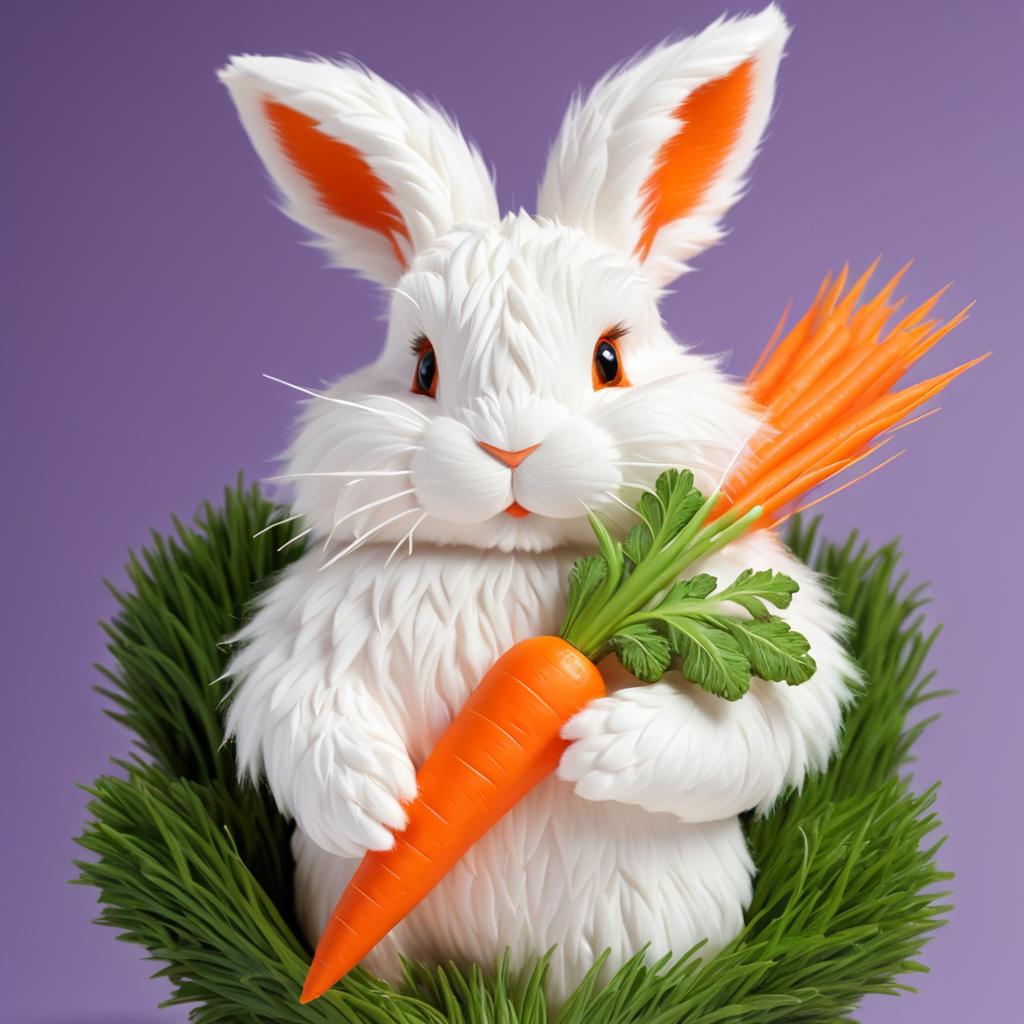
{"x":149,"y":281}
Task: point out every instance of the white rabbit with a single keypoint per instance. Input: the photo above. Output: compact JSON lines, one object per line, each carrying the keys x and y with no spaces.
{"x":526,"y":376}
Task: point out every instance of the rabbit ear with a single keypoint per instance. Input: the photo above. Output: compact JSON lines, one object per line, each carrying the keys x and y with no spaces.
{"x":658,"y":151}
{"x":375,"y":174}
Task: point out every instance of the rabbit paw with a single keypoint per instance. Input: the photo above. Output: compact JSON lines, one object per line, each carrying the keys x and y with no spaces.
{"x":349,"y":800}
{"x":669,"y":748}
{"x":610,"y":755}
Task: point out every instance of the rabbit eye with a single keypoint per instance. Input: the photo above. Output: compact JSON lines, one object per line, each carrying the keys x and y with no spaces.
{"x":607,"y":369}
{"x":424,"y":380}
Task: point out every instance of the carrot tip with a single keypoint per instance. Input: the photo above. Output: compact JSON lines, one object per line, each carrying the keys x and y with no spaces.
{"x":318,"y":981}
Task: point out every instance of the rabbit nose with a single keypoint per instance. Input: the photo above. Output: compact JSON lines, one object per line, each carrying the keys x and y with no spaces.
{"x":510,"y":459}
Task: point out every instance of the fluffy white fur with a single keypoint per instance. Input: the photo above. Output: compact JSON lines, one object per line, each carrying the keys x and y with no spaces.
{"x":361,"y":653}
{"x":435,"y":177}
{"x":609,"y":142}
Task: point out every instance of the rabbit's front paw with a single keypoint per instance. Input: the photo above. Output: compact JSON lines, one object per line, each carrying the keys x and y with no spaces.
{"x":627,"y":747}
{"x":609,"y":756}
{"x":353,"y":803}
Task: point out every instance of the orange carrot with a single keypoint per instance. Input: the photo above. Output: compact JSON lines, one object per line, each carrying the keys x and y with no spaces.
{"x":826,"y":390}
{"x":500,"y":745}
{"x":802,"y":421}
{"x":891,"y":376}
{"x":835,"y":358}
{"x":831,"y":345}
{"x":803,"y":484}
{"x":842,"y":486}
{"x":773,"y":340}
{"x":842,"y":440}
{"x":834,"y":335}
{"x":776,"y":360}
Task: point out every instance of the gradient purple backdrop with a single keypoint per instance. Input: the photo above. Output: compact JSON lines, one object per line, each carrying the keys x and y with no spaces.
{"x":148,"y":282}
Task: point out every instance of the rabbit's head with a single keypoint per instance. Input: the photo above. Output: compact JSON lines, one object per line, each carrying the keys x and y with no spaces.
{"x":526,"y":375}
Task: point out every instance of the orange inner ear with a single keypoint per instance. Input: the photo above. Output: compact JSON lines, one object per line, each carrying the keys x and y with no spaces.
{"x":344,"y":182}
{"x":712,"y":116}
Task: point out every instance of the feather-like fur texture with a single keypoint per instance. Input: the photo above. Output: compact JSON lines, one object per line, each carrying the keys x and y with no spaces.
{"x":432,"y":176}
{"x":611,"y":141}
{"x":353,"y":673}
{"x":417,"y":579}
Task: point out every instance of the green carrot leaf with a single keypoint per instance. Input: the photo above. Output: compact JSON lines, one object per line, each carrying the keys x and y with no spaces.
{"x":586,"y":575}
{"x":680,"y":498}
{"x":638,"y":543}
{"x":643,"y":651}
{"x":673,"y":486}
{"x":611,"y":552}
{"x":697,"y":588}
{"x":634,"y":600}
{"x":751,"y":589}
{"x":651,"y":511}
{"x":775,"y":650}
{"x":710,"y":656}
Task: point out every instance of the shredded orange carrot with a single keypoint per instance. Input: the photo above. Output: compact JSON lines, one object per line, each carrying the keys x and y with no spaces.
{"x":808,"y":481}
{"x":795,"y":422}
{"x":773,"y":340}
{"x":827,"y":389}
{"x":763,"y":383}
{"x":841,"y":487}
{"x":841,"y":442}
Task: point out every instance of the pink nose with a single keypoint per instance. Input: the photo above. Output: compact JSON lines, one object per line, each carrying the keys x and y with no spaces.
{"x":510,"y":459}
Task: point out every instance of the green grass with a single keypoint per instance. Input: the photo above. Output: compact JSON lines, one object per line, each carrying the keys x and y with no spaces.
{"x":195,"y":867}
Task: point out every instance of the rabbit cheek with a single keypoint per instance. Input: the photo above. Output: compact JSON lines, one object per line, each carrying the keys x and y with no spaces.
{"x":573,"y":467}
{"x":454,"y":479}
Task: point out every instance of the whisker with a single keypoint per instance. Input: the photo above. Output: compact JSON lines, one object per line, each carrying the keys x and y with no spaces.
{"x":639,"y":487}
{"x":374,"y":504}
{"x":758,"y":427}
{"x":610,"y":514}
{"x":276,"y":522}
{"x":693,"y":462}
{"x":405,"y":295}
{"x":341,"y":401}
{"x":619,"y":501}
{"x":342,"y":473}
{"x":365,"y":508}
{"x":703,"y":442}
{"x":297,"y":536}
{"x":404,"y":405}
{"x":407,"y":537}
{"x":363,"y":538}
{"x":649,"y":465}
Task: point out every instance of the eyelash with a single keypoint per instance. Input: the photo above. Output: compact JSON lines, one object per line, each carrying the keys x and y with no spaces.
{"x":422,"y":348}
{"x":599,"y":364}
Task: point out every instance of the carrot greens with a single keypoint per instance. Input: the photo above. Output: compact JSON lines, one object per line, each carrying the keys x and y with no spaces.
{"x":632,"y":600}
